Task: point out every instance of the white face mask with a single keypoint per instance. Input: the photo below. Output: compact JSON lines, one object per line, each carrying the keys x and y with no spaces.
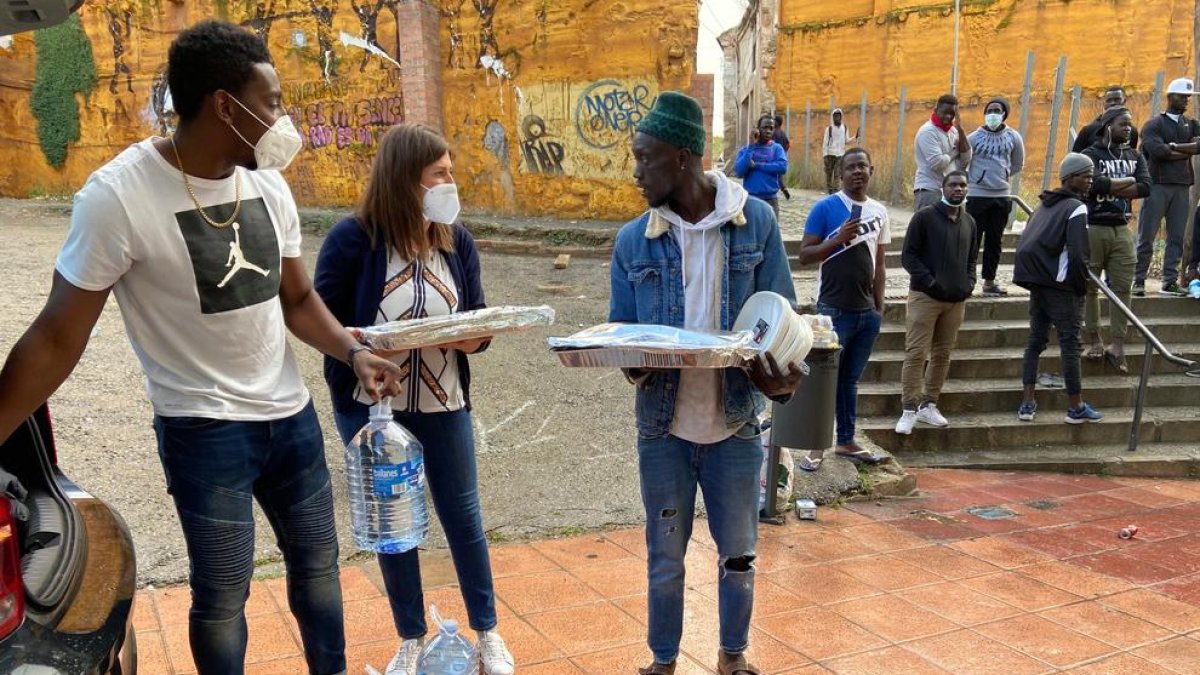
{"x":276,"y":148}
{"x":993,"y":120}
{"x":441,"y":203}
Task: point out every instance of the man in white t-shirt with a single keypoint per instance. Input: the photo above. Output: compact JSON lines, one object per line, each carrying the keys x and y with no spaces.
{"x":199,"y":239}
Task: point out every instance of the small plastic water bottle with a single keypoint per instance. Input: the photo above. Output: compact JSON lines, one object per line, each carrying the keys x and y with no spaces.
{"x":1194,"y":289}
{"x":449,"y":653}
{"x":385,"y":468}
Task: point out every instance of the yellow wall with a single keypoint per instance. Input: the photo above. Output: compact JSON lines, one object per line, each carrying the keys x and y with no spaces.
{"x":585,"y":68}
{"x":839,"y":48}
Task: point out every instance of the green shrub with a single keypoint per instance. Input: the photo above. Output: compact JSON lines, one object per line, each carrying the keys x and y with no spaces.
{"x":64,"y":68}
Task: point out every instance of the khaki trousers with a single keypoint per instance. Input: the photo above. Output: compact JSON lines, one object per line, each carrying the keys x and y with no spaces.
{"x":1110,"y":249}
{"x":931,"y":332}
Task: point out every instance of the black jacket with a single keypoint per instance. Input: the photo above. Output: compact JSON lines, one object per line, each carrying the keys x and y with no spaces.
{"x":939,"y":253}
{"x":1053,"y":249}
{"x":1090,"y":133}
{"x":1156,"y":134}
{"x":1103,"y":208}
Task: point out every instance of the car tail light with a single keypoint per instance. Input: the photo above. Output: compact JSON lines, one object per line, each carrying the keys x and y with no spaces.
{"x":12,"y":592}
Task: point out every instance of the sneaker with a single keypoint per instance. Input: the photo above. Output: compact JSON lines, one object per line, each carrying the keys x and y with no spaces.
{"x":1139,"y":289}
{"x":1026,"y":412}
{"x":1172,"y":288}
{"x":405,"y":660}
{"x":1084,"y":413}
{"x":494,"y":658}
{"x":907,"y":421}
{"x":929,"y":414}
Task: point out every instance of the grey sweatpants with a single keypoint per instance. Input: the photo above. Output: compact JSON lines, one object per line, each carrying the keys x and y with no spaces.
{"x":1170,"y":201}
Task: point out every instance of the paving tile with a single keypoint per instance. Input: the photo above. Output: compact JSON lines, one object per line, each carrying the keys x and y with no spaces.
{"x":172,"y":604}
{"x":887,"y":661}
{"x":290,"y":666}
{"x":578,"y":551}
{"x":959,"y":604}
{"x":632,"y":540}
{"x":179,"y":651}
{"x":786,"y":551}
{"x":996,"y":526}
{"x":1045,"y":640}
{"x":1001,"y":552}
{"x":812,"y":669}
{"x":936,"y":529}
{"x":526,"y":644}
{"x":769,"y":597}
{"x":1187,"y":491}
{"x":540,"y":592}
{"x":885,"y":509}
{"x":1126,"y":566}
{"x":1157,"y":609}
{"x":819,"y":633}
{"x":1121,"y":664}
{"x":145,"y":616}
{"x":884,"y":538}
{"x":822,"y":584}
{"x":967,"y":653}
{"x":375,"y":654}
{"x":356,"y":584}
{"x":1068,"y":541}
{"x":636,"y":606}
{"x":1075,"y":579}
{"x":888,"y":573}
{"x":954,"y":500}
{"x":1050,"y":487}
{"x":626,"y":659}
{"x":270,"y":639}
{"x":560,"y":667}
{"x":1106,"y":624}
{"x":1014,"y":493}
{"x":1149,"y":497}
{"x":946,"y":562}
{"x":1180,"y":655}
{"x":512,"y":560}
{"x":941,"y":479}
{"x":616,"y":578}
{"x":836,"y":517}
{"x":152,"y":654}
{"x":371,"y":620}
{"x":1185,"y":589}
{"x":1097,"y":506}
{"x":769,"y":654}
{"x":893,"y":618}
{"x":829,"y":546}
{"x":1020,"y":591}
{"x":577,"y":630}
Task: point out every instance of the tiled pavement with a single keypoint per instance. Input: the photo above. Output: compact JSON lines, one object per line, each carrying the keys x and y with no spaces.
{"x":897,"y":586}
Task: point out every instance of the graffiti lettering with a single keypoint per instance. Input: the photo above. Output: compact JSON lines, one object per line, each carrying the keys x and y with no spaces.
{"x":608,"y":111}
{"x":120,"y":27}
{"x":541,"y":154}
{"x":334,"y":123}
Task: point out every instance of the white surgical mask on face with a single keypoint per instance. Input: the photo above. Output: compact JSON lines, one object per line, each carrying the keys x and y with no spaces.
{"x":993,"y":120}
{"x":440,"y":204}
{"x":276,"y":148}
{"x":951,"y":204}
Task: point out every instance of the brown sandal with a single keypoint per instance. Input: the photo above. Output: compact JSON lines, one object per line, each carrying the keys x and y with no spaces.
{"x":656,"y":668}
{"x":734,"y":664}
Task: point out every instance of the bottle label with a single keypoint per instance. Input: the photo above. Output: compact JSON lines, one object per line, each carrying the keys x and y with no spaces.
{"x":392,"y":480}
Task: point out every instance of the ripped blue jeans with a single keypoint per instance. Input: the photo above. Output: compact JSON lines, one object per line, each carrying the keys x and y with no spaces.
{"x":727,"y":474}
{"x":215,"y":469}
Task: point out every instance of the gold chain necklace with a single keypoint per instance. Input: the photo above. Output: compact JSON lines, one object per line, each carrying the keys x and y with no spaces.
{"x":237,"y":191}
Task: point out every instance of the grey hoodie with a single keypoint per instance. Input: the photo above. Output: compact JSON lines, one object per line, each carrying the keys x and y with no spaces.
{"x":995,"y":157}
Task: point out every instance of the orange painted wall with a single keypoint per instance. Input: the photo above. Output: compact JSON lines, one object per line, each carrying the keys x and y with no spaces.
{"x":633,"y":48}
{"x":838,"y":48}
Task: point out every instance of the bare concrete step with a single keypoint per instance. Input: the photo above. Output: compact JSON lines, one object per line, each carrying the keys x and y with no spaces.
{"x":1016,"y":307}
{"x":1156,"y":460}
{"x":885,"y":365}
{"x":994,"y":431}
{"x":968,"y":397}
{"x":1014,"y":333}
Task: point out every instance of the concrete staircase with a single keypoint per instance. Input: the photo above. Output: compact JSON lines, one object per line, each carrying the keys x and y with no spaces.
{"x":983,"y":390}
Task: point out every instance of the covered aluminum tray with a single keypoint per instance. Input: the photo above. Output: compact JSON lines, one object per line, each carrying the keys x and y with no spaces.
{"x":622,"y":345}
{"x":471,"y":325}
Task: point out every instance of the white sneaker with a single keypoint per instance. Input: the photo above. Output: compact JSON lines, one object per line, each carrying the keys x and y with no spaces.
{"x":405,"y":660}
{"x":906,"y":422}
{"x":929,"y":414}
{"x":493,"y":655}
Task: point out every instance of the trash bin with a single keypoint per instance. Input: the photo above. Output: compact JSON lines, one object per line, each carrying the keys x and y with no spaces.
{"x":806,"y":422}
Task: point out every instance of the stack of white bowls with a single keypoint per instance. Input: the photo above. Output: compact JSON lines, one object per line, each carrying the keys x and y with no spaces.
{"x":775,"y":328}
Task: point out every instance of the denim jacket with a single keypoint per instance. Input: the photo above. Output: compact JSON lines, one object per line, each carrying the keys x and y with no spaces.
{"x":647,"y":287}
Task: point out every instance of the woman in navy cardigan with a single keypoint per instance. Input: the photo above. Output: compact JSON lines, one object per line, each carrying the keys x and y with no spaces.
{"x":398,"y":258}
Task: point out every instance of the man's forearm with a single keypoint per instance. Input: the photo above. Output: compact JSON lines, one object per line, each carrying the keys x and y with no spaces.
{"x":818,"y":252}
{"x":37,"y":366}
{"x":311,"y":321}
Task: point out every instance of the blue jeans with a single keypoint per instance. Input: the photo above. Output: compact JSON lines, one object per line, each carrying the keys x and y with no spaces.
{"x":727,"y":474}
{"x":450,"y":474}
{"x":215,"y":469}
{"x":857,"y":332}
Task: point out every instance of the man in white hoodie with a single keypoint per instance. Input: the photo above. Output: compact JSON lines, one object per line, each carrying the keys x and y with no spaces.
{"x":691,"y":261}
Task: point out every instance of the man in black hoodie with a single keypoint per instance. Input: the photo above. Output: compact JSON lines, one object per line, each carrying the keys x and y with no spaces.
{"x":939,"y":254}
{"x":1114,"y":97}
{"x":1121,"y":177}
{"x":1051,"y":262}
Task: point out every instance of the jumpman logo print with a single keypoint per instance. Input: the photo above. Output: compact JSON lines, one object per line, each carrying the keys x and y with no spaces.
{"x":237,"y":260}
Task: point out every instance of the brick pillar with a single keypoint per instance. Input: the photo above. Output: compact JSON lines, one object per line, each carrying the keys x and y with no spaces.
{"x":420,"y":63}
{"x":702,"y":90}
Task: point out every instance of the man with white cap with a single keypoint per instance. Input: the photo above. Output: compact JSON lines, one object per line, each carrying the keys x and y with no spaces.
{"x":1169,"y":141}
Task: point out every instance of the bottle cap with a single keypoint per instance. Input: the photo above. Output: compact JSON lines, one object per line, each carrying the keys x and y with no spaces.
{"x":450,"y":626}
{"x":382,"y":410}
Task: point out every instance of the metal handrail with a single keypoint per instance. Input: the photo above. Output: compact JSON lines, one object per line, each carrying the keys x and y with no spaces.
{"x":1152,"y":343}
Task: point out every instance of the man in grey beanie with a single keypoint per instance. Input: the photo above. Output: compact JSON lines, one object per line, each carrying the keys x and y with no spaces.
{"x":1051,"y":262}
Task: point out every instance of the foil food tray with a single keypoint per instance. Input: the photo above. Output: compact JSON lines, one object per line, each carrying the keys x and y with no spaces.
{"x":470,"y":325}
{"x":615,"y":345}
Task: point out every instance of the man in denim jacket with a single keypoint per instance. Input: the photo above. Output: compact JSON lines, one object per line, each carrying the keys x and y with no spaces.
{"x":691,"y":261}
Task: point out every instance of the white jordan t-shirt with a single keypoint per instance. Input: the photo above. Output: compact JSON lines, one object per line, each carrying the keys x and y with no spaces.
{"x":201,"y":304}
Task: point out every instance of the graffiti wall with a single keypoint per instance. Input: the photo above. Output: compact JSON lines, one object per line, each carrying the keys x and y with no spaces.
{"x":539,"y":98}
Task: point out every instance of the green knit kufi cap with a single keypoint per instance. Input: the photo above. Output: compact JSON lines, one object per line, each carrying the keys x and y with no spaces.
{"x":677,"y":119}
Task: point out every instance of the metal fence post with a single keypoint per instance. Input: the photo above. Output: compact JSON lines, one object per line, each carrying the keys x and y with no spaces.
{"x":1156,"y":97}
{"x":1076,"y":95}
{"x":862,"y":121}
{"x":807,"y":135}
{"x":898,"y":162}
{"x":1024,"y":124}
{"x":1051,"y":141}
{"x":787,"y":121}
